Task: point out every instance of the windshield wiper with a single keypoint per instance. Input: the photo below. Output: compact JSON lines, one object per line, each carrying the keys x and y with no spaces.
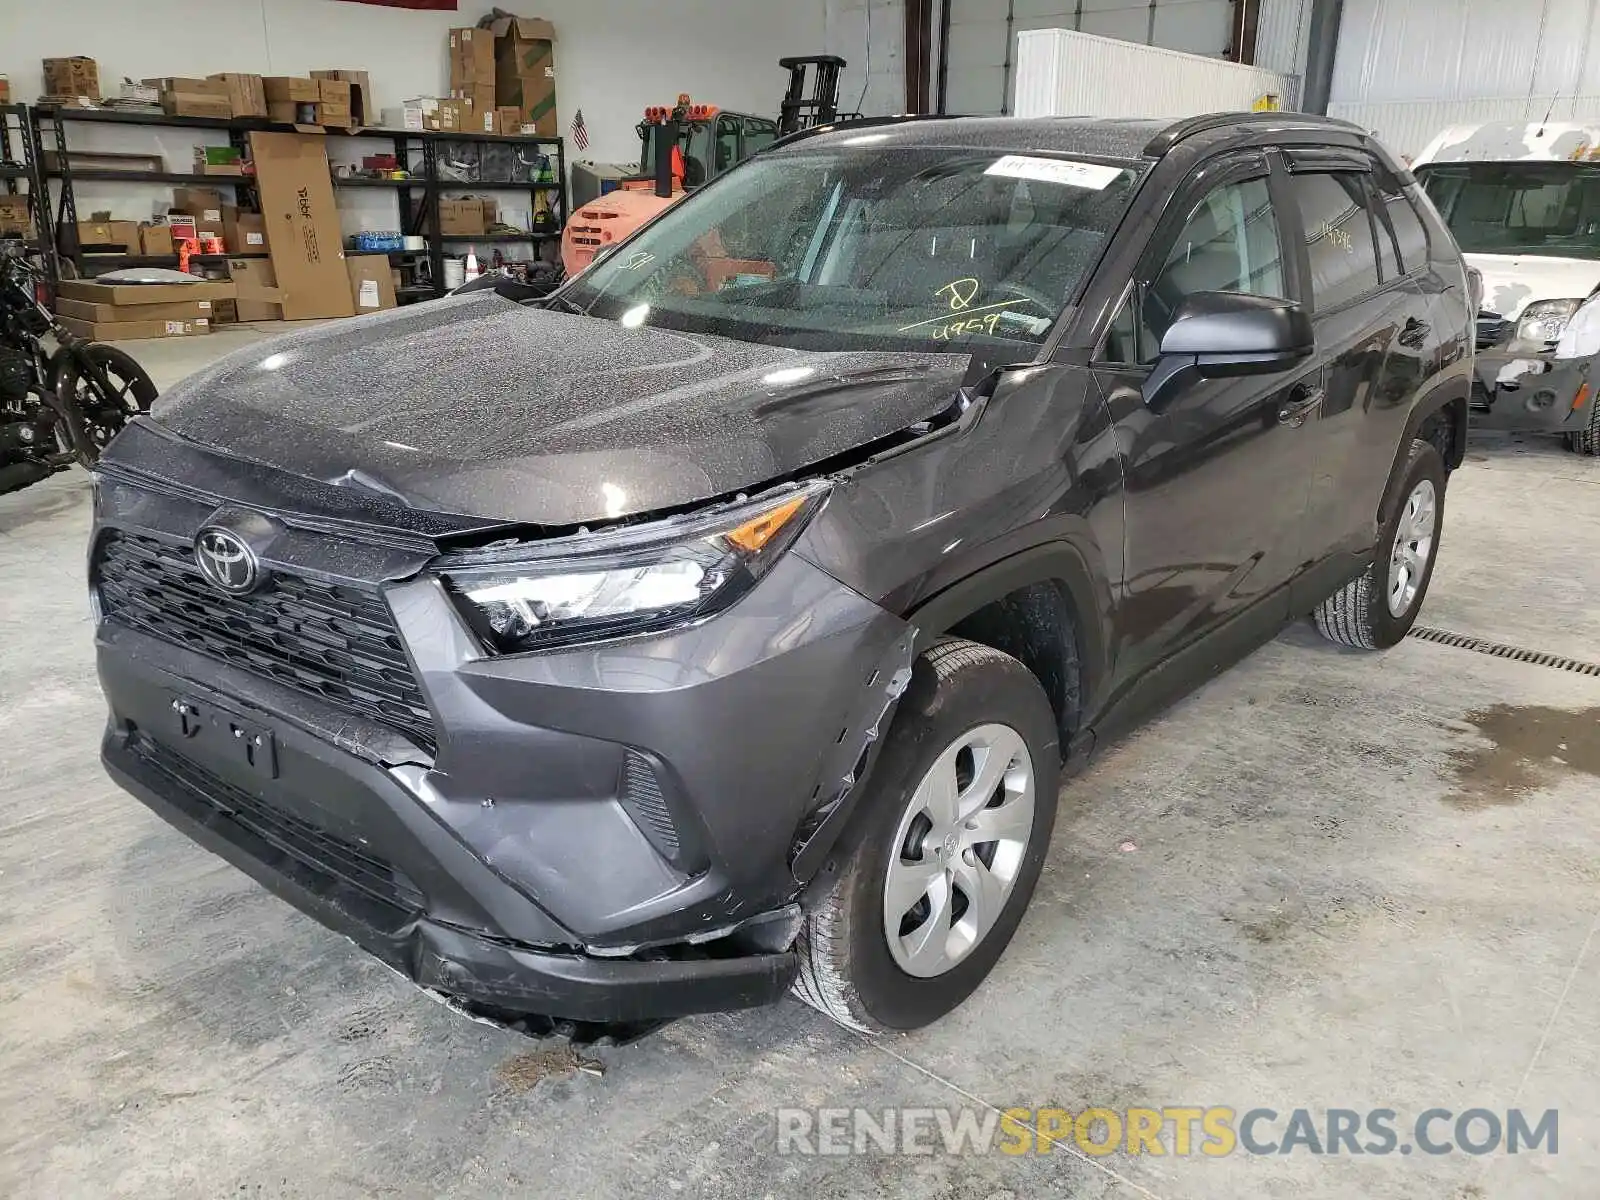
{"x":557,"y":300}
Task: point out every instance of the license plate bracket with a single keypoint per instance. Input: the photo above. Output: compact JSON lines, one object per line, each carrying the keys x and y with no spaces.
{"x":227,"y":734}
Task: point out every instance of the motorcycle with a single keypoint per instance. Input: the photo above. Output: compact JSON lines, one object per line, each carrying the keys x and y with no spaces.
{"x":57,"y":407}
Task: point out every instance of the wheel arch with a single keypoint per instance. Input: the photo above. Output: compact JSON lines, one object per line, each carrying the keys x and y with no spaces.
{"x":1040,"y":606}
{"x":1440,"y":417}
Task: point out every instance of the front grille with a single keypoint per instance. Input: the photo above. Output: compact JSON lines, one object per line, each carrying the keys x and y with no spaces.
{"x":337,"y":643}
{"x":315,"y":849}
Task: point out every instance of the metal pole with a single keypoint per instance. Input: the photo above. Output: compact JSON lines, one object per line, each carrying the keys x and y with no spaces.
{"x":944,"y":55}
{"x":1321,"y":49}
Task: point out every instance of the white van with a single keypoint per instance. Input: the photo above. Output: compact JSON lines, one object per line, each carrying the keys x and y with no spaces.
{"x":1523,"y":201}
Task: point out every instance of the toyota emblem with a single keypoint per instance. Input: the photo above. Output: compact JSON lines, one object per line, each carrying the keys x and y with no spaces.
{"x":226,"y":561}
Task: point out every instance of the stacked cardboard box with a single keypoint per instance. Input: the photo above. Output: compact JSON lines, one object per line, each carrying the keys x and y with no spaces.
{"x":290,"y":98}
{"x":110,"y":312}
{"x":472,"y":72}
{"x":156,"y":240}
{"x":465,"y":216}
{"x":193,"y":97}
{"x":72,"y":77}
{"x":525,"y":69}
{"x":204,"y":205}
{"x":362,"y":109}
{"x":108,"y":235}
{"x":257,"y":295}
{"x":333,"y":103}
{"x":247,"y":95}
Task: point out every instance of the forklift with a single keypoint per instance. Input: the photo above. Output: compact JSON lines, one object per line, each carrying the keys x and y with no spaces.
{"x":687,"y":145}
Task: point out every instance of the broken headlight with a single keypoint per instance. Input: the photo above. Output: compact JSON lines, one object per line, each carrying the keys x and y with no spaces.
{"x":1541,"y":324}
{"x":617,"y":583}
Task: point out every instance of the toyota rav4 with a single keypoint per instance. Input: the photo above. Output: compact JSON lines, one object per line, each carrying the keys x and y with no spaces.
{"x":724,"y":623}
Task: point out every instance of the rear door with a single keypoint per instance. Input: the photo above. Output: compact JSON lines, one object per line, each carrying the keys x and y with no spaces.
{"x":1215,"y":481}
{"x":1373,"y":326}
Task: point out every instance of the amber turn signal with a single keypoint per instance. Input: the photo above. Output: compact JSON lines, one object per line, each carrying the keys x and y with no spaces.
{"x":754,"y":534}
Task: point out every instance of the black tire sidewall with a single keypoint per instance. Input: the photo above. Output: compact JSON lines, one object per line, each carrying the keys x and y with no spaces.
{"x":1388,"y":629}
{"x":998,"y":690}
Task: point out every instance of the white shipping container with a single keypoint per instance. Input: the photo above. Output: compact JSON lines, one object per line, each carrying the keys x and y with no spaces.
{"x":1062,"y":73}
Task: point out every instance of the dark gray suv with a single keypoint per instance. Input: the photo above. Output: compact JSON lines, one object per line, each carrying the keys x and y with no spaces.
{"x":721,"y":624}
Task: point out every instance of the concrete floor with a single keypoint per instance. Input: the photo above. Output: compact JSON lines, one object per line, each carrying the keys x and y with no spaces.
{"x":1328,"y":879}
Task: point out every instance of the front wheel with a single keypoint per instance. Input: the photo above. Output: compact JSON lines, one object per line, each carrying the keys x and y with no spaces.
{"x":1375,"y":611}
{"x":103,"y":388}
{"x":1587,"y":440}
{"x":943,"y":863}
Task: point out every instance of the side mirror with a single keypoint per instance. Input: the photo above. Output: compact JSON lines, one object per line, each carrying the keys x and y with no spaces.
{"x":1219,"y":334}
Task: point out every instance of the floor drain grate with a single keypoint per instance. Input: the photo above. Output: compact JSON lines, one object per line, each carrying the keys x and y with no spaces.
{"x":1537,"y":658}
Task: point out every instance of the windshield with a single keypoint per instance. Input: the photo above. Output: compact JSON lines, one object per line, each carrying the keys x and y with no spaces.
{"x":910,"y":249}
{"x":1550,"y":208}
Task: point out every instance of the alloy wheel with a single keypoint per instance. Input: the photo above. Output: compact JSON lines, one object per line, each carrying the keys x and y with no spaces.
{"x":1413,"y":547}
{"x":958,"y":850}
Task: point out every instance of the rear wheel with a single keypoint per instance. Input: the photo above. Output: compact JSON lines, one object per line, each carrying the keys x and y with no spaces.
{"x":948,"y":850}
{"x":105,"y":399}
{"x":1378,"y":609}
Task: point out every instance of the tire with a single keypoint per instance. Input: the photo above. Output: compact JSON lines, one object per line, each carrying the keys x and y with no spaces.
{"x":1587,"y":441}
{"x":959,"y":690}
{"x":95,"y":419}
{"x":1360,"y":614}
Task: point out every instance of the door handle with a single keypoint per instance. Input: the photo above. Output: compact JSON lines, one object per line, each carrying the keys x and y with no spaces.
{"x":1303,"y":402}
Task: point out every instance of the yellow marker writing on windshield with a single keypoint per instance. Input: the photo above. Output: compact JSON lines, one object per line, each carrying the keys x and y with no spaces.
{"x":962,"y":292}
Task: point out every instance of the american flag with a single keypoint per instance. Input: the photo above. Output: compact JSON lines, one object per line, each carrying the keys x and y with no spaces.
{"x":580,"y":132}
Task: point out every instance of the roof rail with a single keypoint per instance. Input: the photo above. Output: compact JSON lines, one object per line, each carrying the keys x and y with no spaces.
{"x":845,"y":122}
{"x":1189,"y":126}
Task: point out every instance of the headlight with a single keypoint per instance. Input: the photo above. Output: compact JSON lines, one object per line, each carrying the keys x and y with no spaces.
{"x":1542,"y":322}
{"x":627,"y":581}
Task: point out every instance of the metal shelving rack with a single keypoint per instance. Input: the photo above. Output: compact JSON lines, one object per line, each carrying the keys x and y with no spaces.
{"x":418,"y":195}
{"x":19,"y":165}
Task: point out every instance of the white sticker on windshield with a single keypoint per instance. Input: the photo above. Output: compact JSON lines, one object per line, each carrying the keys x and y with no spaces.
{"x":1056,"y":170}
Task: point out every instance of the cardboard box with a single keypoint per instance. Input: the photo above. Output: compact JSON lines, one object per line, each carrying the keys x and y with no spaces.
{"x":85,"y":310}
{"x":213,"y":87}
{"x":243,"y":232}
{"x":156,"y":240}
{"x":302,"y":224}
{"x":140,"y":294}
{"x":461,"y":217}
{"x":480,"y":98}
{"x":204,"y":205}
{"x":471,"y":57}
{"x":77,"y":76}
{"x":256,"y":293}
{"x":291,"y":89}
{"x":525,"y":69}
{"x":15,"y":216}
{"x":412,"y":116}
{"x":508,"y":119}
{"x":187,"y":97}
{"x":247,"y":94}
{"x":449,"y":115}
{"x":333,"y":103}
{"x":362,"y":107}
{"x":371,"y":282}
{"x":224,"y":312}
{"x":119,"y":331}
{"x":109,"y":235}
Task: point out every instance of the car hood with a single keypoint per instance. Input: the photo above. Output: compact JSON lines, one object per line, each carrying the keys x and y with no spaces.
{"x":1511,"y":282}
{"x":476,"y":406}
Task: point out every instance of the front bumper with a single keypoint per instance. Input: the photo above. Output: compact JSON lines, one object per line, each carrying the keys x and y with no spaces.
{"x":606,"y":833}
{"x":1533,"y":392}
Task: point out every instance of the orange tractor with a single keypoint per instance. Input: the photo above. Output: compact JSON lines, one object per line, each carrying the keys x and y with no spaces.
{"x":687,"y":145}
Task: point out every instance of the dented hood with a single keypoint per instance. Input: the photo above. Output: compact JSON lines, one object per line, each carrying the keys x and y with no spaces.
{"x":476,"y":406}
{"x":1511,"y":282}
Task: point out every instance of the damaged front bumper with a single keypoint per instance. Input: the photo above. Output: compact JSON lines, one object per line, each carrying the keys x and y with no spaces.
{"x":609,"y":833}
{"x":1535,"y":392}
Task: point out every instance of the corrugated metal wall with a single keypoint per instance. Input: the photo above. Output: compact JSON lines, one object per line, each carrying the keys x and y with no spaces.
{"x":870,"y":35}
{"x":1281,"y":37}
{"x":1062,"y":73}
{"x":983,"y":33}
{"x":1408,"y":68}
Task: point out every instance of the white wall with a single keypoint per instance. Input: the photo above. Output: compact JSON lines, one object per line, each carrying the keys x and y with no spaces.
{"x":869,"y":34}
{"x":1408,"y":68}
{"x":613,"y":57}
